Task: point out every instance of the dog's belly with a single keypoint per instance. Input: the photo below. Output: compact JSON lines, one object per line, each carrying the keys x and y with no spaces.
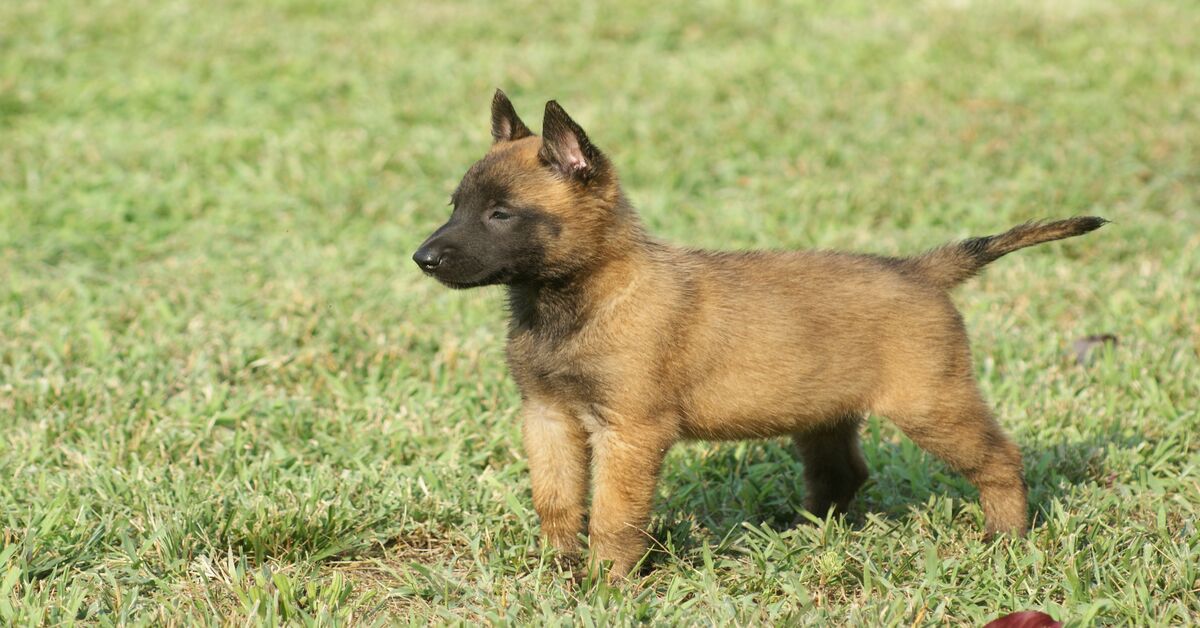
{"x":725,"y":411}
{"x":778,"y":383}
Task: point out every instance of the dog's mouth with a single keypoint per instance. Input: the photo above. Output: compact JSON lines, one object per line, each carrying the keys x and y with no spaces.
{"x":499,"y":276}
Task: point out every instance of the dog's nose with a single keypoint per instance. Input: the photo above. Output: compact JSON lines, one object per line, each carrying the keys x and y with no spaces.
{"x":428,"y":257}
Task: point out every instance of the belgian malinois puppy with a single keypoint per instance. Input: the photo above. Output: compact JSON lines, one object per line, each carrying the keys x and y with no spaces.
{"x":622,"y":345}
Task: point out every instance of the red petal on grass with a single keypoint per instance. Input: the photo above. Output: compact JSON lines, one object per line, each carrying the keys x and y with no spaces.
{"x":1024,"y":619}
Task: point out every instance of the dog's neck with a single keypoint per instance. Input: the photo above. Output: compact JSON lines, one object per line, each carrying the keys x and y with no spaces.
{"x":553,"y":309}
{"x":559,"y":307}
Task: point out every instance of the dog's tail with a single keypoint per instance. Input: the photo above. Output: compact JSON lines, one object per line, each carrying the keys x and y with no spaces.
{"x":949,"y":265}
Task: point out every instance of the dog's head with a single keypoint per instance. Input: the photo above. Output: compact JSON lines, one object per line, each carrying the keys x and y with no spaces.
{"x":534,"y":208}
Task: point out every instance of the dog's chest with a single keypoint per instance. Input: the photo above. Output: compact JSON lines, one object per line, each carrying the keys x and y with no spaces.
{"x":562,"y":370}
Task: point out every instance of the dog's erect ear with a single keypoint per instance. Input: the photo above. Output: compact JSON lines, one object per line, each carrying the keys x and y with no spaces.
{"x":506,"y":125}
{"x":566,"y":148}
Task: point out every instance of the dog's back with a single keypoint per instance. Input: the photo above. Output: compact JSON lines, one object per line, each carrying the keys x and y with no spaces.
{"x":780,"y":342}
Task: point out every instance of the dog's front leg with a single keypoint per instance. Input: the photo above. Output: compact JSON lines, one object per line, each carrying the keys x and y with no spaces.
{"x":557,"y":448}
{"x":626,"y":465}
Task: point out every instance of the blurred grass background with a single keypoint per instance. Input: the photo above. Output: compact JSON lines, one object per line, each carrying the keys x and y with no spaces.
{"x":227,"y":396}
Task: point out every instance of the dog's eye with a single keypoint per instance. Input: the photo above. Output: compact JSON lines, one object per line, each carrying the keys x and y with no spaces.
{"x":499,"y":215}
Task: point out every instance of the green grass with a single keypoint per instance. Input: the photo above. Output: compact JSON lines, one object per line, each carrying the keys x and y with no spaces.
{"x":227,"y":395}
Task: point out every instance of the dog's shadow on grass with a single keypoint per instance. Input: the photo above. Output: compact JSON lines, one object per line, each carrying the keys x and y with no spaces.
{"x":711,"y":490}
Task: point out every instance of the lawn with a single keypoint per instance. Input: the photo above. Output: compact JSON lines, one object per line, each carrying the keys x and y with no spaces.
{"x":227,"y":395}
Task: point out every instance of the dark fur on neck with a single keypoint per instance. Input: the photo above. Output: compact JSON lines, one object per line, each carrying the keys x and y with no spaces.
{"x":551,"y":309}
{"x":557,"y":307}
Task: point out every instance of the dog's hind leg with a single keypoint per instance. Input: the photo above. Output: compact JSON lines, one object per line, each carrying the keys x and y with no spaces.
{"x":834,"y":468}
{"x":958,"y":427}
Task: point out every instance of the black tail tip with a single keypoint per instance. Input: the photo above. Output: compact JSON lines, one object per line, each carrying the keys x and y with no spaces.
{"x":1089,"y":223}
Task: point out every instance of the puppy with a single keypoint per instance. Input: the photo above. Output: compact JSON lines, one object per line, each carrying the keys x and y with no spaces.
{"x":623,"y":345}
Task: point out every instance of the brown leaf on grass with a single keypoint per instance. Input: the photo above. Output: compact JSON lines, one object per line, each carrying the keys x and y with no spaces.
{"x":1085,"y":348}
